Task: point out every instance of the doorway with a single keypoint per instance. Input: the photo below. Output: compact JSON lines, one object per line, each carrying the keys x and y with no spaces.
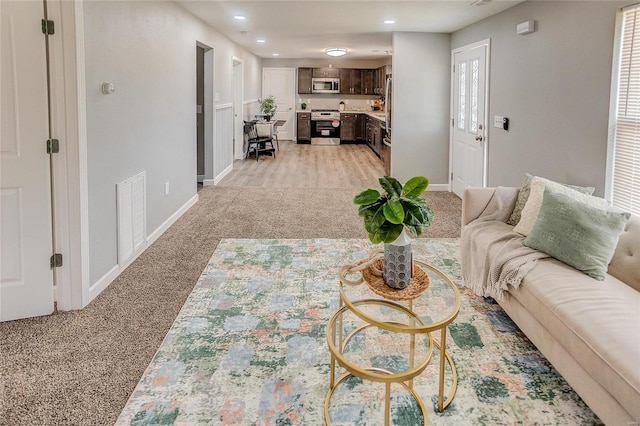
{"x":200,"y":112}
{"x":27,"y":240}
{"x":204,"y":114}
{"x":238,"y":111}
{"x":469,"y":109}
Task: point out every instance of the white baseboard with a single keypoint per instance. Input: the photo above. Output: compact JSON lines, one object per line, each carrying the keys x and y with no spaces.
{"x":439,"y":187}
{"x":221,"y":176}
{"x":104,"y":281}
{"x":208,"y":182}
{"x":171,"y":220}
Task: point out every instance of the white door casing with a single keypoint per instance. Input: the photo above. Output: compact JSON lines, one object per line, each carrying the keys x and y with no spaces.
{"x":469,"y":120}
{"x":238,"y":112}
{"x":280,"y":82}
{"x":26,"y":279}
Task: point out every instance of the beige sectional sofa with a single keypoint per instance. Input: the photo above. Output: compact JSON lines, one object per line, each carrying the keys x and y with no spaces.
{"x":588,"y":329}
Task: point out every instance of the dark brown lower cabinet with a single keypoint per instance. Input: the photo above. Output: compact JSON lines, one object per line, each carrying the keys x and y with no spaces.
{"x":304,"y":127}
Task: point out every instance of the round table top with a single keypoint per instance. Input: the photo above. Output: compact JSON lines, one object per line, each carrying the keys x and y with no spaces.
{"x":436,"y":307}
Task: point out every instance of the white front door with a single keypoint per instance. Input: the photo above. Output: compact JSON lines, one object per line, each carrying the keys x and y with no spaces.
{"x":470,"y":75}
{"x":280,"y":82}
{"x":26,"y":279}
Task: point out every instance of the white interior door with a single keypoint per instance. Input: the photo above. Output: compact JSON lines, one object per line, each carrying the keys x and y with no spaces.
{"x":280,"y":82}
{"x":469,"y":82}
{"x":26,"y":279}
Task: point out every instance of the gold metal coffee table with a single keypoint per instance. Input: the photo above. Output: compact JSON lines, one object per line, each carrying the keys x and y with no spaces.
{"x":398,"y":323}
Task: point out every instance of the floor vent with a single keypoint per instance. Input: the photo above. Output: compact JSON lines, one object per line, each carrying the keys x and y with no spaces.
{"x":131,"y":207}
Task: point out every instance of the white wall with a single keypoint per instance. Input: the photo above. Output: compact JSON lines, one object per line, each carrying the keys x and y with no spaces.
{"x":421,"y":76}
{"x":554,"y":86}
{"x":147,"y":50}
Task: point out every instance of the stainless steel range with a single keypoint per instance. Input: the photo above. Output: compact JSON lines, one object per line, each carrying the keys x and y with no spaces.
{"x":325,"y":127}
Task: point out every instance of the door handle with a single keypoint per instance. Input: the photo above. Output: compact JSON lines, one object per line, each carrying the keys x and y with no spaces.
{"x":480,"y":137}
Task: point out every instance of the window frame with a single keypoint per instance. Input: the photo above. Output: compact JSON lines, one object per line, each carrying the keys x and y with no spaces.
{"x":614,"y":97}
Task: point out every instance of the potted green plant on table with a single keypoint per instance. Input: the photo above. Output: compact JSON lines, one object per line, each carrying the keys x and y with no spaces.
{"x":392,"y":217}
{"x":268,"y":107}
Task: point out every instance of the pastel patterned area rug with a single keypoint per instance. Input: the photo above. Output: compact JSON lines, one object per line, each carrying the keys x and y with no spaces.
{"x":249,"y":348}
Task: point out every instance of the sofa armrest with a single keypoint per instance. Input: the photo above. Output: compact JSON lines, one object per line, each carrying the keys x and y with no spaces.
{"x":474,"y":201}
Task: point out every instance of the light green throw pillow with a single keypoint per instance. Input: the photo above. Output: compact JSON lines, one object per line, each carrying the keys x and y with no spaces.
{"x":577,"y":234}
{"x":523,"y":196}
{"x":531,"y":209}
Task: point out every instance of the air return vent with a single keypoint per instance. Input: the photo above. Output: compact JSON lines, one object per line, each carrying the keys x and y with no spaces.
{"x":131,"y":207}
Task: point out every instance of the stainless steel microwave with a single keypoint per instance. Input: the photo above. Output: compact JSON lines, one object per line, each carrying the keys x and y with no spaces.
{"x":325,"y":85}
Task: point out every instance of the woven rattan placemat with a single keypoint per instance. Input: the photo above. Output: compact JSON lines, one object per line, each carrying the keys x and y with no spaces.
{"x":419,"y":283}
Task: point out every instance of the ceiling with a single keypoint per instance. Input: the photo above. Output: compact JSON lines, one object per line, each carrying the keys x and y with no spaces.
{"x":302,"y":29}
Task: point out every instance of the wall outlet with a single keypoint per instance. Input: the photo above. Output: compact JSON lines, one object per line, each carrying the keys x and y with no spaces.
{"x":497,"y":121}
{"x":166,"y":188}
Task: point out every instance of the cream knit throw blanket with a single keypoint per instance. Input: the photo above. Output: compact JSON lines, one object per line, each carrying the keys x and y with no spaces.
{"x":492,"y":255}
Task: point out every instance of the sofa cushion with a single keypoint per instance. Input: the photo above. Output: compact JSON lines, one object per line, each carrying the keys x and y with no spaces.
{"x":597,"y":322}
{"x":577,"y":234}
{"x":532,"y":208}
{"x":523,"y":196}
{"x":625,"y":264}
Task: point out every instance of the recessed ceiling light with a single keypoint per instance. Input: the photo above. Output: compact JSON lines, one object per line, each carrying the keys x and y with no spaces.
{"x":261,"y":40}
{"x":239,"y":17}
{"x":335,"y":51}
{"x":389,"y":21}
{"x":275,"y":54}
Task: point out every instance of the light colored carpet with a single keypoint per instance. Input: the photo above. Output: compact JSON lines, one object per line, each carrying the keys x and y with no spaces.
{"x":249,"y":348}
{"x":79,"y":368}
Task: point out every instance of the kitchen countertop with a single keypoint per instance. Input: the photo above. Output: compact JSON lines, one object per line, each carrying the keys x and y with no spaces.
{"x":378,"y":115}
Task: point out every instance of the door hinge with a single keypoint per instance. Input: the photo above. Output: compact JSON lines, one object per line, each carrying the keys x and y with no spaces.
{"x":53,"y":146}
{"x":454,"y":68}
{"x":55,"y":261}
{"x":453,"y":122}
{"x":48,"y":27}
{"x":451,"y":177}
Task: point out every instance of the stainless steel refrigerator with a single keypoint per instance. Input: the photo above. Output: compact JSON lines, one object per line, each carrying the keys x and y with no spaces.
{"x":386,"y":141}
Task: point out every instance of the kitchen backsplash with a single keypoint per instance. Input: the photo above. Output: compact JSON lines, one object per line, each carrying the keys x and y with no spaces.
{"x":361,"y":103}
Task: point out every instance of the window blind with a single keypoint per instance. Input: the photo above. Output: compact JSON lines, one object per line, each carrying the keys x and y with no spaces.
{"x":625,"y":182}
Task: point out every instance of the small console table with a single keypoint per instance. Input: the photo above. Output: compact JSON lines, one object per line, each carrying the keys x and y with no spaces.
{"x":373,"y":320}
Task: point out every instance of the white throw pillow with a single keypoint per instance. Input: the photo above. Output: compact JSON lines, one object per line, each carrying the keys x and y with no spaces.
{"x":532,"y":207}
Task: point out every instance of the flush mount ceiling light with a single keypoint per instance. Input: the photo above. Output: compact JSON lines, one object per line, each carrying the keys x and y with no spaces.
{"x":261,"y":40}
{"x":275,"y":54}
{"x":389,"y":21}
{"x":335,"y":51}
{"x":239,"y":17}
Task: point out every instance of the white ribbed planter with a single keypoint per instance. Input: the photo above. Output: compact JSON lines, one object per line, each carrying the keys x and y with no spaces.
{"x":397,"y":262}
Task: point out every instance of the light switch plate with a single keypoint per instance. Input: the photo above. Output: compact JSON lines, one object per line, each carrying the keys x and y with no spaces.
{"x":497,"y":121}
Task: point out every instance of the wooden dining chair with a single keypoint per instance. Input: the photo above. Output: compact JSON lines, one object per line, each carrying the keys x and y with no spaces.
{"x":255,"y":143}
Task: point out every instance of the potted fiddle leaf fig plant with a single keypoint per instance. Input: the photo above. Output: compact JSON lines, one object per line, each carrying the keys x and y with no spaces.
{"x":268,"y":107}
{"x":393,"y":217}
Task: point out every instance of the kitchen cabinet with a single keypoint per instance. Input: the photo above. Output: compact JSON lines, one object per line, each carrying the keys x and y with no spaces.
{"x":373,"y":134}
{"x":347,"y":127}
{"x":326,"y":72}
{"x":381,"y":80}
{"x":352,"y":127}
{"x":304,"y":127}
{"x":304,"y":80}
{"x":368,"y":82}
{"x":350,"y":81}
{"x":360,"y":120}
